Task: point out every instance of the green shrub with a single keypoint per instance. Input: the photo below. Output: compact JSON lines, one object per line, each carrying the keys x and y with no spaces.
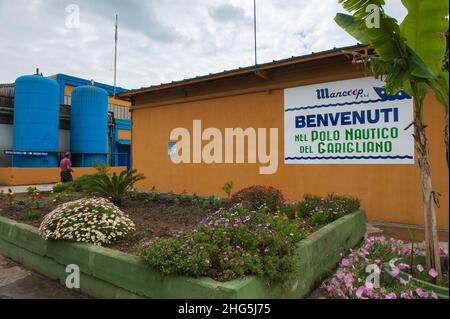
{"x":101,"y":167}
{"x":63,"y":188}
{"x":319,"y":218}
{"x":80,"y":185}
{"x":94,"y":220}
{"x":229,"y":244}
{"x":328,"y":209}
{"x":228,"y":187}
{"x":207,"y":202}
{"x":29,"y":215}
{"x":256,"y":196}
{"x":113,"y":187}
{"x":291,"y":210}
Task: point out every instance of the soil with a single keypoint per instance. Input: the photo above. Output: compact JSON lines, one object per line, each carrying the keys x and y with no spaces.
{"x":153,"y":218}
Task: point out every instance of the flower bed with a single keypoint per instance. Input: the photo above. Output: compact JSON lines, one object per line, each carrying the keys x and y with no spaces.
{"x":259,"y":236}
{"x":373,"y":271}
{"x":230,"y":244}
{"x":107,"y":273}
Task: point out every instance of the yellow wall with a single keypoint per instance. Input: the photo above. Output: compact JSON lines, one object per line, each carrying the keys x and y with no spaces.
{"x":387,"y":192}
{"x":124,"y":134}
{"x":34,"y":176}
{"x":68,"y":90}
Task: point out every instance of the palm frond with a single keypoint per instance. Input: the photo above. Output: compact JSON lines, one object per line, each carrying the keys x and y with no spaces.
{"x":115,"y":186}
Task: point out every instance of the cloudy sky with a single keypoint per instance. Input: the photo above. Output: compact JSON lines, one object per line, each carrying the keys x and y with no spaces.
{"x":161,"y":40}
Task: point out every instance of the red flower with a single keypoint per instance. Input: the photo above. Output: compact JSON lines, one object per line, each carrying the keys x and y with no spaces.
{"x":39,"y":196}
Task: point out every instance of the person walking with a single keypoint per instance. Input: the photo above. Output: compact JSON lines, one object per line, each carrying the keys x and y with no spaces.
{"x":66,"y":169}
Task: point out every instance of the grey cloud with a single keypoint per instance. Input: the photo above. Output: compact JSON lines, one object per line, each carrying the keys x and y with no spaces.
{"x":229,"y":13}
{"x":135,"y":15}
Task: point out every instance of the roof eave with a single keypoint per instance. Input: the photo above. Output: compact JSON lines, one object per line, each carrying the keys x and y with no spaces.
{"x":243,"y":71}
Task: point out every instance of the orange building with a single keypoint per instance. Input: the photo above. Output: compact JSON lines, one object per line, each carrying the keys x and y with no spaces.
{"x":243,"y":98}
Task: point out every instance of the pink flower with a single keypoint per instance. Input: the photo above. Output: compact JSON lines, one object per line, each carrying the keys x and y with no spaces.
{"x":420,"y":268}
{"x":421,"y":293}
{"x":369,"y":285}
{"x":340,"y":274}
{"x":341,"y":293}
{"x":349,"y":284}
{"x":404,"y":282}
{"x":406,"y":295}
{"x":391,"y":296}
{"x":360,"y":291}
{"x":434,"y":295}
{"x":403,"y":266}
{"x":433,"y":273}
{"x":345,"y":262}
{"x":395,"y":271}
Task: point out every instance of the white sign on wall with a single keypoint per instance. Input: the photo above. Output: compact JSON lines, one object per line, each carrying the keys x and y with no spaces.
{"x":348,"y":122}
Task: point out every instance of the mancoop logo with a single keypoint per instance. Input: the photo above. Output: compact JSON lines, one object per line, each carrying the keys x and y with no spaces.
{"x":357,"y":94}
{"x":229,"y":149}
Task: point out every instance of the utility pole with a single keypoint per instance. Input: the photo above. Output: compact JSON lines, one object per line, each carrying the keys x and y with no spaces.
{"x":115,"y":53}
{"x":261,"y":73}
{"x":254,"y":32}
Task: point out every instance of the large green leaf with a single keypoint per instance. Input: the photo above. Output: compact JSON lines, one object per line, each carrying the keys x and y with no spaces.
{"x":417,"y":66}
{"x":423,"y":27}
{"x":350,"y":24}
{"x":386,"y":39}
{"x":359,"y":7}
{"x":441,"y":88}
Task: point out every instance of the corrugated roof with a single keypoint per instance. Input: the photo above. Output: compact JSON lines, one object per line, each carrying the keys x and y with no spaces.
{"x":242,"y":70}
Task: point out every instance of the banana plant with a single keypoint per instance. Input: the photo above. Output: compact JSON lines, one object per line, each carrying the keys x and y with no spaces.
{"x":427,"y":20}
{"x":406,"y":57}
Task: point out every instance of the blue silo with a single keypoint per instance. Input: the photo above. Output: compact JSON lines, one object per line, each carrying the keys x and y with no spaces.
{"x":89,"y":126}
{"x":36,"y":121}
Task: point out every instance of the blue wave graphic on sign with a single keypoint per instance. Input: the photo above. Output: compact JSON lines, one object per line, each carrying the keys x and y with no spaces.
{"x":401,"y":95}
{"x":332,"y":105}
{"x":346,"y":157}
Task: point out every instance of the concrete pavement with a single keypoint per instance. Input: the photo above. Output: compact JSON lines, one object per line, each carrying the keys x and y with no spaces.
{"x":23,"y":189}
{"x":17,"y":282}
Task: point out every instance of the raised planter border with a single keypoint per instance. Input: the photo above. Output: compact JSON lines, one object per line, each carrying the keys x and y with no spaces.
{"x":441,"y":291}
{"x":107,"y":273}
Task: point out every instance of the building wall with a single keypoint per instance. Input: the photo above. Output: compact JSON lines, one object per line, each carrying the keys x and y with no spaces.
{"x":387,"y":192}
{"x":6,"y":143}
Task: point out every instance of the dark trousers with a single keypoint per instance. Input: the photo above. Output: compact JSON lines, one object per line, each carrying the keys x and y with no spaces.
{"x":66,"y":177}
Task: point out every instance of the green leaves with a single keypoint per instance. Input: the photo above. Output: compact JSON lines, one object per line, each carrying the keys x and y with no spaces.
{"x":359,"y":7}
{"x":350,"y":24}
{"x":441,"y":88}
{"x":402,"y":56}
{"x":424,"y":35}
{"x":423,"y":27}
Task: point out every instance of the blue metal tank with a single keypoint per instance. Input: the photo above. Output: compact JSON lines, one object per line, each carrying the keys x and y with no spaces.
{"x":89,"y":126}
{"x":36,"y":121}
